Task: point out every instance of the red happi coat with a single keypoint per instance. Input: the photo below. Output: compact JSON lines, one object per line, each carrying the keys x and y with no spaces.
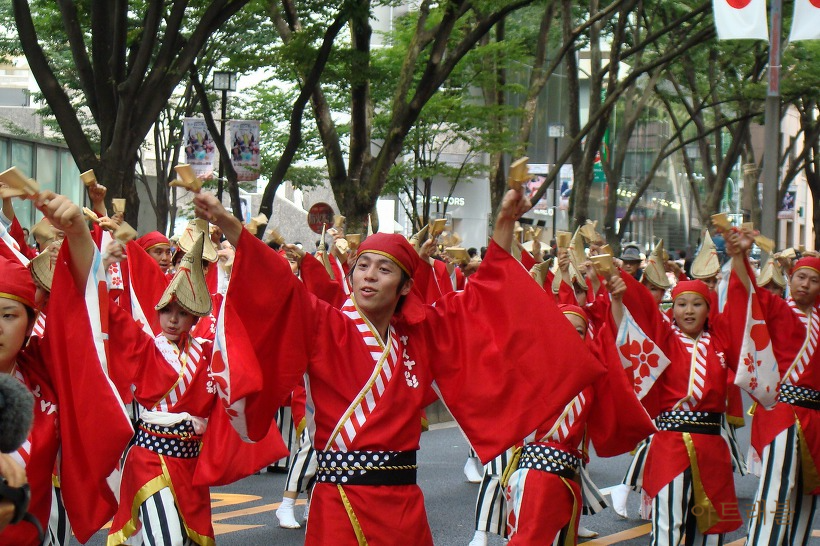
{"x":444,"y":280}
{"x":671,"y":453}
{"x":540,"y":503}
{"x":796,"y":334}
{"x":75,"y":412}
{"x":38,"y":454}
{"x":487,"y":364}
{"x":175,"y":379}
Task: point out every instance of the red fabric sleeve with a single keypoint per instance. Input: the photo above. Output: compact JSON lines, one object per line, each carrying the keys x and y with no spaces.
{"x":566,"y":294}
{"x":225,"y":458}
{"x":611,"y":433}
{"x":284,"y":340}
{"x":444,"y":284}
{"x":527,"y":260}
{"x":319,"y":283}
{"x":641,"y":305}
{"x":492,"y":365}
{"x":16,"y":232}
{"x":427,"y":282}
{"x":94,"y":428}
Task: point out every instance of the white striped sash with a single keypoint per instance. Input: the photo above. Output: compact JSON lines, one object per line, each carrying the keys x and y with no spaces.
{"x":697,"y":348}
{"x":39,"y":325}
{"x":185,"y":364}
{"x":803,"y":358}
{"x":563,"y":425}
{"x":385,"y":359}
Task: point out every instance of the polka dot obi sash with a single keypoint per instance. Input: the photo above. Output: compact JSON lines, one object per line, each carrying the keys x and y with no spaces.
{"x":699,"y":422}
{"x":178,"y":440}
{"x":367,"y":467}
{"x":800,"y":396}
{"x":549,"y":458}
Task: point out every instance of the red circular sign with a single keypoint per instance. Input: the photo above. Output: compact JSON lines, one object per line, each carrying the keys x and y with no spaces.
{"x":319,"y":215}
{"x":738,"y":4}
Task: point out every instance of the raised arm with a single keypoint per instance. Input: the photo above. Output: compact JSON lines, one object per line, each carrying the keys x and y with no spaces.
{"x":738,"y":244}
{"x":67,"y":217}
{"x":617,"y":288}
{"x":512,"y":207}
{"x":209,"y":207}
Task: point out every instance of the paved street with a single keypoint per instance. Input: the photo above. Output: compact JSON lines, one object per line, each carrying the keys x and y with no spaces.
{"x":244,"y":512}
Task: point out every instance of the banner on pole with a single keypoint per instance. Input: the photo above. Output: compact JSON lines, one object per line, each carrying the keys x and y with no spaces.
{"x":741,"y":19}
{"x":243,"y":143}
{"x":806,"y":21}
{"x":200,"y":150}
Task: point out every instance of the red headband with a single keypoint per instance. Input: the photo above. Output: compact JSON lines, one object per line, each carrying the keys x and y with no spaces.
{"x":394,"y":247}
{"x":809,"y":262}
{"x":150,"y":240}
{"x":691,"y":287}
{"x":16,"y":283}
{"x":569,"y":309}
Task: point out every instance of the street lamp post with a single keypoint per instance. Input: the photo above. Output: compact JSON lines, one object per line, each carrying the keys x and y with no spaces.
{"x":555,"y":131}
{"x":223,"y":81}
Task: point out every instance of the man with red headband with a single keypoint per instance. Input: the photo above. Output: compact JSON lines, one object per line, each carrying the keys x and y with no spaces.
{"x":368,"y":396}
{"x":158,"y":247}
{"x":680,"y":372}
{"x":786,"y":436}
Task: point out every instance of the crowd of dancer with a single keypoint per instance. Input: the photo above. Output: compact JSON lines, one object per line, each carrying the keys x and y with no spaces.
{"x":161,"y":368}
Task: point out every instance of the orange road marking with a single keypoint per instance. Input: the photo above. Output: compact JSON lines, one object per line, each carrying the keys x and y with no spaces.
{"x":225,"y":528}
{"x":218,"y":500}
{"x":251,"y":511}
{"x":635,"y":532}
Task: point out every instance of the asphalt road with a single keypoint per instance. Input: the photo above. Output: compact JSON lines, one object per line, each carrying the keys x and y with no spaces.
{"x":243,"y":513}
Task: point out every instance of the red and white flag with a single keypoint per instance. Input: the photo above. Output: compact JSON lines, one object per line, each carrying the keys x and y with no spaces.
{"x":741,"y":19}
{"x":757,"y":371}
{"x":806,"y":22}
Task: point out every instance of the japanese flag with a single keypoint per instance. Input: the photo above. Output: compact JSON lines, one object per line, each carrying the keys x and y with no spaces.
{"x":806,"y":23}
{"x":741,"y":19}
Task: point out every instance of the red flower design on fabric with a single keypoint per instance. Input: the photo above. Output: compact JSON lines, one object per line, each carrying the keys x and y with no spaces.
{"x":753,"y":383}
{"x":749,"y":362}
{"x":642,"y":357}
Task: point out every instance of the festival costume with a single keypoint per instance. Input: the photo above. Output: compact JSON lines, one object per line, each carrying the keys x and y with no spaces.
{"x":786,"y":437}
{"x":544,"y":494}
{"x":65,"y":368}
{"x":682,"y":383}
{"x":388,"y":388}
{"x":182,"y":445}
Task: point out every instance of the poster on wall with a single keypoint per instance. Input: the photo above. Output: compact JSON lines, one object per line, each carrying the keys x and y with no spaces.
{"x":786,"y":211}
{"x":200,"y":149}
{"x":243,"y":143}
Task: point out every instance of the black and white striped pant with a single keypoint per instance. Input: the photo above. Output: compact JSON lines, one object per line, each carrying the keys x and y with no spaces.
{"x":303,"y":465}
{"x":783,"y":512}
{"x":59,"y":529}
{"x":490,"y":512}
{"x":593,"y":499}
{"x":729,"y":433}
{"x":286,"y":426}
{"x":634,"y":474}
{"x":672,"y":515}
{"x":161,"y":522}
